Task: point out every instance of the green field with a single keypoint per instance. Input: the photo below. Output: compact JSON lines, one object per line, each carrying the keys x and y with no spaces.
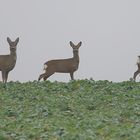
{"x":78,"y":110}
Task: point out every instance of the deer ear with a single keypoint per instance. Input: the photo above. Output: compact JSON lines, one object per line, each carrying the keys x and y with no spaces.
{"x":9,"y":40}
{"x":79,"y":44}
{"x":71,"y":44}
{"x":17,"y":40}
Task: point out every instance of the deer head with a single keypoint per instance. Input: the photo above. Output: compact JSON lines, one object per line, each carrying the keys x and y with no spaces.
{"x":13,"y":44}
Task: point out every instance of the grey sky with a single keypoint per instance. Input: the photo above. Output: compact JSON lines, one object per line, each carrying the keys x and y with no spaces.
{"x":109,"y":30}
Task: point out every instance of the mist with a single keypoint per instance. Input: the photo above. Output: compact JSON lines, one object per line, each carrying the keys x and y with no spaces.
{"x":109,"y":31}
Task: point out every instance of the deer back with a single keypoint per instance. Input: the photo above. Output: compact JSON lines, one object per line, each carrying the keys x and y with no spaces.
{"x":62,"y":65}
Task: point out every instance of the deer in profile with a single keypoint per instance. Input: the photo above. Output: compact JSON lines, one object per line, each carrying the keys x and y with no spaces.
{"x":138,"y":70}
{"x":62,"y":65}
{"x":7,"y":62}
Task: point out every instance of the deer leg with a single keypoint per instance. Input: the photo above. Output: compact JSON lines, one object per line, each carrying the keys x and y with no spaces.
{"x":48,"y":73}
{"x":72,"y":76}
{"x":41,"y":76}
{"x":6,"y":76}
{"x":45,"y":75}
{"x":135,"y":74}
{"x":3,"y":76}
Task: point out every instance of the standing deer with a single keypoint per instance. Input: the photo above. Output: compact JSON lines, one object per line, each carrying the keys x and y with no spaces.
{"x":7,"y":62}
{"x":62,"y":65}
{"x":138,"y":70}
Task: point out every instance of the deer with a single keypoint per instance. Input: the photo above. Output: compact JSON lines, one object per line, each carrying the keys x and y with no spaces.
{"x":69,"y":65}
{"x":138,"y":70}
{"x":7,"y":62}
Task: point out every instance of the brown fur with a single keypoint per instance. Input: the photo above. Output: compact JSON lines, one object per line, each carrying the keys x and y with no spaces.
{"x":63,"y":65}
{"x":7,"y":62}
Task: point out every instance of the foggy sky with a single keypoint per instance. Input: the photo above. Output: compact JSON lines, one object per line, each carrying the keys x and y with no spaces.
{"x":109,"y":31}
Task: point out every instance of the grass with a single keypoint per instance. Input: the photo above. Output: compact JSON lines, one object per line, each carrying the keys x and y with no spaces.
{"x":78,"y":110}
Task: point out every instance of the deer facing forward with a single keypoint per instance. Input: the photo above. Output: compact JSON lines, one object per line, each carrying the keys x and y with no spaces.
{"x":7,"y":62}
{"x":62,"y":65}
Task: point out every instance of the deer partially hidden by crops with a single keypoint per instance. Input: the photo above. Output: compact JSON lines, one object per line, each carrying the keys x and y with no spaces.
{"x":138,"y":70}
{"x":62,"y":65}
{"x":7,"y":62}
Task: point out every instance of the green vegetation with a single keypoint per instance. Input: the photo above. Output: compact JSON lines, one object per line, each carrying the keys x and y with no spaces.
{"x":78,"y":110}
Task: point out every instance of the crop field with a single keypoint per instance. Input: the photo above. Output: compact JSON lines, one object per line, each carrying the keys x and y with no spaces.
{"x":77,"y":110}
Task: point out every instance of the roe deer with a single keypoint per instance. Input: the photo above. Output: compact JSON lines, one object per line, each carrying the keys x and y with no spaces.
{"x":62,"y":65}
{"x":7,"y":62}
{"x":138,"y":70}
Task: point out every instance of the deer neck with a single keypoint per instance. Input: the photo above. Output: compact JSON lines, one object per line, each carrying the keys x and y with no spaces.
{"x":13,"y":54}
{"x":76,"y":56}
